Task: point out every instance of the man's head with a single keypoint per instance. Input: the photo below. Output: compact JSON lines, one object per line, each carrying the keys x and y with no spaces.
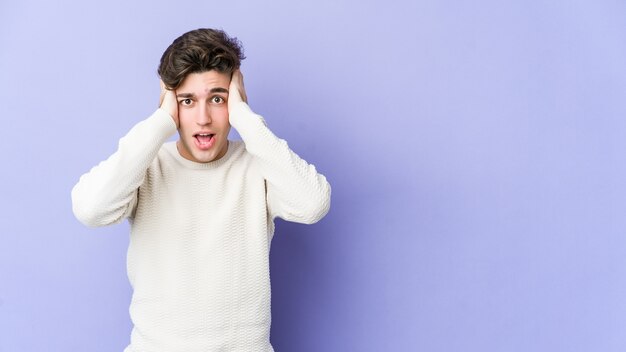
{"x":198,"y":51}
{"x":197,"y":66}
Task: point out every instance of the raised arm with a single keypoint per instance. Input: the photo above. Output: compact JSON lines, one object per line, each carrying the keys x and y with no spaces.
{"x":295,"y":190}
{"x":107,"y":194}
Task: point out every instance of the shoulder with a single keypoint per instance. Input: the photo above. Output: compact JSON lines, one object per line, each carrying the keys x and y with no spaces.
{"x":166,"y":155}
{"x":238,"y":155}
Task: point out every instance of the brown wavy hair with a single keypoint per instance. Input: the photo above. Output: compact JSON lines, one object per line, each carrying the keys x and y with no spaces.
{"x":198,"y":51}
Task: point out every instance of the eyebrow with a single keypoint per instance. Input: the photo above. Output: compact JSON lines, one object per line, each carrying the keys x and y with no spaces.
{"x":213,"y":90}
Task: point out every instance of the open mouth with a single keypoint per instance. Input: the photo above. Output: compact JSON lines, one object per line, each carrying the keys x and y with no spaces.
{"x":204,"y":139}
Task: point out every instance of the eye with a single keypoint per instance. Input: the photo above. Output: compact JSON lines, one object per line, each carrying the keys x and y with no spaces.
{"x":217,"y":100}
{"x":186,"y":101}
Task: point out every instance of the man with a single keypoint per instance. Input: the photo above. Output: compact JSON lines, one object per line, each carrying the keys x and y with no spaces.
{"x":201,"y":209}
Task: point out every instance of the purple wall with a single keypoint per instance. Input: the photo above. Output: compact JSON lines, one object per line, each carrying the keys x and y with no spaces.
{"x":476,"y":152}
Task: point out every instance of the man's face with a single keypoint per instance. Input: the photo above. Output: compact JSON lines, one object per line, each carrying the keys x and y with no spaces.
{"x":203,"y":116}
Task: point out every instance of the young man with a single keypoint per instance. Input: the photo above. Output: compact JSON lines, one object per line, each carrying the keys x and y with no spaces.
{"x":201,"y":209}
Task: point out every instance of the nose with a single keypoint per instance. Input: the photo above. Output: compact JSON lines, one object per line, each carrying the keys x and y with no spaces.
{"x":203,"y":116}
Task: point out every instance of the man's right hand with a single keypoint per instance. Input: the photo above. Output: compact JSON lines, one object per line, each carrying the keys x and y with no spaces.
{"x":169,"y":103}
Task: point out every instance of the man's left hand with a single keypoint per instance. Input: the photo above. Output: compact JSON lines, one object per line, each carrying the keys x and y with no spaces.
{"x":236,"y":90}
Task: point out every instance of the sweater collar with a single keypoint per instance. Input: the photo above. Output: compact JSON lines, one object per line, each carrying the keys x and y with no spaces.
{"x":170,"y":147}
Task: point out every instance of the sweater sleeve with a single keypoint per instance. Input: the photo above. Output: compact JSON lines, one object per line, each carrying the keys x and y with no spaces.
{"x":107,"y":194}
{"x":295,"y":190}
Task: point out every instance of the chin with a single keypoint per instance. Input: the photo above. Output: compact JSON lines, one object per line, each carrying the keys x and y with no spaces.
{"x":203,"y":157}
{"x":210,"y":155}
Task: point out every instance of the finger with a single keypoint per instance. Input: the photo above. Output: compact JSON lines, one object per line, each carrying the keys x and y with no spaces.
{"x":238,"y":78}
{"x":162,"y":93}
{"x":242,"y":88}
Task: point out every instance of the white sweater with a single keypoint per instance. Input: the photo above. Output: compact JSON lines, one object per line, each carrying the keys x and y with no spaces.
{"x":198,"y":258}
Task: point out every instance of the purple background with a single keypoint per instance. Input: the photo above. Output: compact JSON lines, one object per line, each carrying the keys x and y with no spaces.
{"x":475,"y":149}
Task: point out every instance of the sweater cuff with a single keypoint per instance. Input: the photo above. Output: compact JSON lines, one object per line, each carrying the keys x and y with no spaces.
{"x":242,"y":112}
{"x":163,"y":122}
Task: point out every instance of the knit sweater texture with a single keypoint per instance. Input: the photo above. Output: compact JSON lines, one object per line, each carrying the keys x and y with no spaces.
{"x":198,"y":256}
